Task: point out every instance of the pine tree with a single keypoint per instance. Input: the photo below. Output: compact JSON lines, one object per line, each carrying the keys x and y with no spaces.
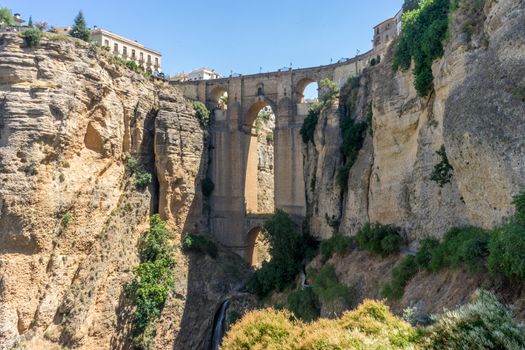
{"x":80,"y":29}
{"x":30,"y":23}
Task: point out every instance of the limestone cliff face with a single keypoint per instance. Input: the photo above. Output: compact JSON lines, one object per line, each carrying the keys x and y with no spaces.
{"x":476,"y":111}
{"x":70,"y":216}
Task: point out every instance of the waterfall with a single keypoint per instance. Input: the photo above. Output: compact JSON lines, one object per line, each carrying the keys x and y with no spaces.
{"x":218,"y":325}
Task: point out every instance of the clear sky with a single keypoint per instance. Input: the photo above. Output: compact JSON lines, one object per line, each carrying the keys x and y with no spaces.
{"x":239,"y":36}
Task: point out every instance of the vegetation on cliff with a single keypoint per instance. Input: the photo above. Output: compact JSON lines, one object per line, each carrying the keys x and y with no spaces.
{"x":153,"y":281}
{"x":330,"y":92}
{"x":483,"y":324}
{"x":421,"y":40}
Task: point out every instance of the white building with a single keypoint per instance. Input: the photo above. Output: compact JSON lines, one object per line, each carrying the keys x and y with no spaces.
{"x":203,"y":74}
{"x":129,"y":50}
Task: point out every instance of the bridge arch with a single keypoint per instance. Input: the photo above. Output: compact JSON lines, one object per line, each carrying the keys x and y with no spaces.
{"x":303,"y":85}
{"x":257,"y":250}
{"x":217,"y":97}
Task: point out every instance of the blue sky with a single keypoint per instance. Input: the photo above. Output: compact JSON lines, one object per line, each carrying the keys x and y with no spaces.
{"x":239,"y":36}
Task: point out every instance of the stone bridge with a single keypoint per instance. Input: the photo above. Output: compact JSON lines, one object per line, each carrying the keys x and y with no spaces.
{"x":235,"y":217}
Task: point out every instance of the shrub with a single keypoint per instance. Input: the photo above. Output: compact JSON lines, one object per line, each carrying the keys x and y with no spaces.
{"x":310,"y":123}
{"x":401,"y":275}
{"x":353,"y":138}
{"x":207,"y":187}
{"x":371,"y":236}
{"x":304,"y":304}
{"x":519,"y":203}
{"x":143,"y":179}
{"x":288,"y":248}
{"x":152,"y":281}
{"x":32,"y":37}
{"x":423,"y":31}
{"x":155,"y":244}
{"x":338,"y":243}
{"x":132,"y":165}
{"x":442,"y":173}
{"x":202,"y":113}
{"x":483,"y":324}
{"x":80,"y":29}
{"x":66,"y":219}
{"x":507,"y":251}
{"x":333,"y":295}
{"x":199,"y":244}
{"x":424,"y":254}
{"x":330,"y":92}
{"x":464,"y":246}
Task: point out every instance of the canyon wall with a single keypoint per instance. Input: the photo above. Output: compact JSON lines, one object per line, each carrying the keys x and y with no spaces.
{"x":70,"y":213}
{"x":476,"y":111}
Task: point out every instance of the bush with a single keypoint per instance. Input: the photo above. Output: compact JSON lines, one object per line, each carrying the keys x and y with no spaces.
{"x":483,"y":324}
{"x":507,"y":251}
{"x":288,"y":248}
{"x":207,"y":187}
{"x":310,"y":123}
{"x":152,"y":281}
{"x":143,"y":179}
{"x":66,"y":219}
{"x":304,"y":304}
{"x":401,"y":275}
{"x":335,"y":244}
{"x":519,"y":203}
{"x":202,"y":113}
{"x":333,"y":295}
{"x":423,"y":31}
{"x":424,"y":254}
{"x":442,"y":173}
{"x":370,"y":326}
{"x":32,"y":37}
{"x":199,"y":244}
{"x":371,"y":237}
{"x":353,"y":137}
{"x":132,"y":165}
{"x":465,"y":246}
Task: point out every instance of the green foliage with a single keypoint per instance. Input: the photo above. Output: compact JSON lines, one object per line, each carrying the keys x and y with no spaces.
{"x":207,"y":187}
{"x":66,"y":219}
{"x":152,"y":282}
{"x":288,"y":248}
{"x":30,"y":22}
{"x":424,"y":254}
{"x":519,"y":203}
{"x":353,"y":138}
{"x":483,"y":324}
{"x":143,"y":179}
{"x":401,"y":275}
{"x":6,"y":17}
{"x":32,"y":37}
{"x":443,"y":171}
{"x":202,"y":113}
{"x":423,"y":31}
{"x":336,"y":244}
{"x":304,"y":304}
{"x":333,"y":295}
{"x":379,"y":239}
{"x":310,"y":122}
{"x":507,"y":251}
{"x":410,"y":5}
{"x":330,"y":93}
{"x":132,"y":165}
{"x":80,"y":29}
{"x":465,"y":246}
{"x":199,"y":244}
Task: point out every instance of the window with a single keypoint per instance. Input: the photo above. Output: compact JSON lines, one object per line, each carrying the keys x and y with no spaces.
{"x":115,"y":47}
{"x":106,"y":43}
{"x":133,"y":54}
{"x":156,"y":61}
{"x":125,"y":50}
{"x":142,"y":56}
{"x":149,"y":58}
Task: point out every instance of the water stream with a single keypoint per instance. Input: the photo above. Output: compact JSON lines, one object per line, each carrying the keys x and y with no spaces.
{"x":218,"y":325}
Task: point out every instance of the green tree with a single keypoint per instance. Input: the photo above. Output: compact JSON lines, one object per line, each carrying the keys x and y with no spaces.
{"x":30,"y":23}
{"x":6,"y":17}
{"x":80,"y":29}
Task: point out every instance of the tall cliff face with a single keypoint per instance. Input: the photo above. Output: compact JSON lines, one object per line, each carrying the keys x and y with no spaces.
{"x":70,"y":216}
{"x":476,"y":111}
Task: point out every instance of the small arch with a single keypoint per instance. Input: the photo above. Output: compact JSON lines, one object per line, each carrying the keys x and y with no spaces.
{"x":307,"y":90}
{"x":257,"y":251}
{"x":260,"y":89}
{"x":218,"y":98}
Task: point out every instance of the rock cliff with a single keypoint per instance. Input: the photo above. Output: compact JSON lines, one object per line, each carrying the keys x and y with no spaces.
{"x":476,"y":112}
{"x":70,"y":213}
